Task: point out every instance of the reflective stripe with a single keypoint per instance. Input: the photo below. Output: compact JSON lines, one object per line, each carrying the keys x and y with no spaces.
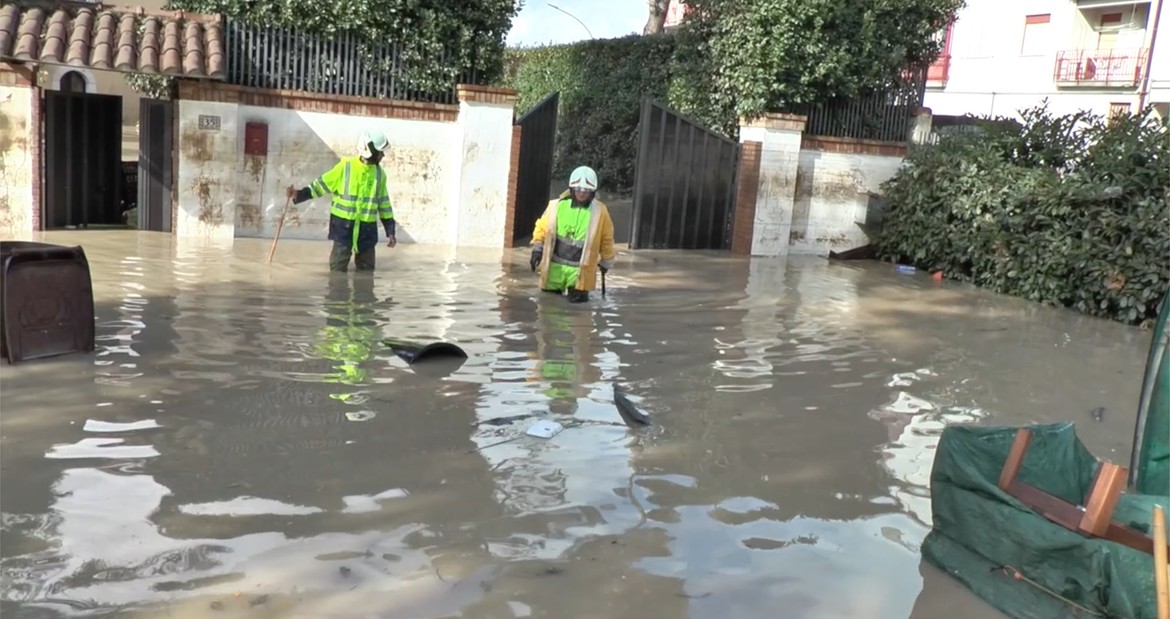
{"x":345,"y":182}
{"x":317,"y":188}
{"x":367,"y":209}
{"x":568,"y":252}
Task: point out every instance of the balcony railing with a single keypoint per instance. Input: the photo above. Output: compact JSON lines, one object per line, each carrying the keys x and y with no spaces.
{"x":1100,"y":68}
{"x":939,"y":70}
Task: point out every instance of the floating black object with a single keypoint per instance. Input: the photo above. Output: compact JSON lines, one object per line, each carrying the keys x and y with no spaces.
{"x":630,"y":413}
{"x":413,"y":353}
{"x":46,"y":301}
{"x":865,"y":252}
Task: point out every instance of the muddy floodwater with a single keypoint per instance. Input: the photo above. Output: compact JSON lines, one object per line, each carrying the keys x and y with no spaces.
{"x":242,"y":445}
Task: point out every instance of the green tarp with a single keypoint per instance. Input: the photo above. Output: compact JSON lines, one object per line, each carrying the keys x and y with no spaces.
{"x":978,"y":529}
{"x":1150,"y":467}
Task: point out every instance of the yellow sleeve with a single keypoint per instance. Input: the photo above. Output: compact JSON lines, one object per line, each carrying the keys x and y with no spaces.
{"x":330,"y":182}
{"x":541,"y":228}
{"x":606,"y":231}
{"x":539,"y":231}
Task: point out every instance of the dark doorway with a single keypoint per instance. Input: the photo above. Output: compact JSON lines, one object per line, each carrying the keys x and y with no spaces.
{"x":83,"y":158}
{"x":155,"y":146}
{"x":73,"y":82}
{"x":538,"y":139}
{"x":684,"y":186}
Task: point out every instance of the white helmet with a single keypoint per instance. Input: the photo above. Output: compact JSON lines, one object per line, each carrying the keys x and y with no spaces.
{"x":583,"y":178}
{"x":371,"y":136}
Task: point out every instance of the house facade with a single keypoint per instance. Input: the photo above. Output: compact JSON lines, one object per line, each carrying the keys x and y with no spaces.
{"x":1104,"y":56}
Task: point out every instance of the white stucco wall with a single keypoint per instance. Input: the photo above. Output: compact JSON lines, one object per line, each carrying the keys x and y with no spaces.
{"x":991,"y":74}
{"x":448,"y":180}
{"x":16,"y":162}
{"x":1159,"y":89}
{"x":832,"y":194}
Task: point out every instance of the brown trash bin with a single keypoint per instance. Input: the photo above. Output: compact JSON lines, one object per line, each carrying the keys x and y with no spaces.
{"x":46,"y":301}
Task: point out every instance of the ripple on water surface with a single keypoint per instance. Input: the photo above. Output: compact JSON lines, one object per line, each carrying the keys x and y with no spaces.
{"x":241,"y":442}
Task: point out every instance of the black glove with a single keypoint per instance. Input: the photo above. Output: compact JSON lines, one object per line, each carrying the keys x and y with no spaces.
{"x":537,"y":254}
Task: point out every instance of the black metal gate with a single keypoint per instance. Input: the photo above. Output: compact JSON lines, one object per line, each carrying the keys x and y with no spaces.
{"x":155,"y":150}
{"x":83,"y":160}
{"x":684,"y":185}
{"x":538,"y":139}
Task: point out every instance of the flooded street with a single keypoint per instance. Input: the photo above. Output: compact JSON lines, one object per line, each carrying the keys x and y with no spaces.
{"x":241,"y":444}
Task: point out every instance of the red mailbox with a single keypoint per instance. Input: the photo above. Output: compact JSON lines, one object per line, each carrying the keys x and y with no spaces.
{"x":256,"y":139}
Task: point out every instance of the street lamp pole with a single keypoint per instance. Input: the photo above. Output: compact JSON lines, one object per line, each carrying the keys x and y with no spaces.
{"x":574,"y":17}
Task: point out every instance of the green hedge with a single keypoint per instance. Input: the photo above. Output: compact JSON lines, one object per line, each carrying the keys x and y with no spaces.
{"x":1065,"y":210}
{"x":602,"y":83}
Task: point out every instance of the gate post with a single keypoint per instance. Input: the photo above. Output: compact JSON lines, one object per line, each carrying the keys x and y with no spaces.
{"x":746,"y":190}
{"x":20,"y":152}
{"x":206,"y":159}
{"x":771,"y":221}
{"x":513,"y":180}
{"x":479,"y":218}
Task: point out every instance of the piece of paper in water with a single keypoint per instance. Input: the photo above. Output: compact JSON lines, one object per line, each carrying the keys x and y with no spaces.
{"x":544,"y":429}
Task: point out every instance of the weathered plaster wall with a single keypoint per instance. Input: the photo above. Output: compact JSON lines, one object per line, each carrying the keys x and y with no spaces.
{"x":17,"y":161}
{"x":485,"y":124}
{"x":834,"y":180}
{"x":779,"y":136}
{"x":304,"y":145}
{"x":448,"y":168}
{"x":812,"y":193}
{"x":207,"y":162}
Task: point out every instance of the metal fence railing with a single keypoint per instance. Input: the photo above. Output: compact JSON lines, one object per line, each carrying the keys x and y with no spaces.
{"x":880,"y":114}
{"x":1101,"y":68}
{"x":277,"y":57}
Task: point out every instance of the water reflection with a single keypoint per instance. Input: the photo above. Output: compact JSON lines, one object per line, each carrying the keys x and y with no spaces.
{"x":105,"y":554}
{"x":564,"y":489}
{"x":241,"y":442}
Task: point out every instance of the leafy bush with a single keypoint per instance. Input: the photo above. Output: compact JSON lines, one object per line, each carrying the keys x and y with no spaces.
{"x":602,"y":83}
{"x":1066,"y":210}
{"x":152,"y":86}
{"x":471,"y":31}
{"x":729,"y":60}
{"x":767,"y":55}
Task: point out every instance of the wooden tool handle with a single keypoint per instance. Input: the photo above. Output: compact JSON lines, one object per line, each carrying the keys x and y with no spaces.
{"x":1161,"y":574}
{"x":279,"y":225}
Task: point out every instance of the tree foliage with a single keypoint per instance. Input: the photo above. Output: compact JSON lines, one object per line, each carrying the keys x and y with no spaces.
{"x":730,"y":59}
{"x":602,"y":83}
{"x":471,"y":32}
{"x":1066,"y":210}
{"x":756,"y":56}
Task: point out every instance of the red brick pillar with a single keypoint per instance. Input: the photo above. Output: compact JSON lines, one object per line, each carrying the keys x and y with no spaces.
{"x":747,"y":186}
{"x":513,"y":174}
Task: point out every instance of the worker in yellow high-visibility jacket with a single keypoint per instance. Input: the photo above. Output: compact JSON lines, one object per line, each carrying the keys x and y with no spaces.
{"x":573,"y":239}
{"x":360,"y":199}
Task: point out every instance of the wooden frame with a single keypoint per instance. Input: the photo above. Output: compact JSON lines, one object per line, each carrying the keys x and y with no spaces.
{"x":1094,"y":519}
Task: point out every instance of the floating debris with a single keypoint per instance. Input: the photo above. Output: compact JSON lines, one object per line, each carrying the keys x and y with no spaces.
{"x":630,"y":413}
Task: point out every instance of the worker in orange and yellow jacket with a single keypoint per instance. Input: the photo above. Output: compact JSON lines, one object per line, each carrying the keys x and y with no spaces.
{"x":573,"y":239}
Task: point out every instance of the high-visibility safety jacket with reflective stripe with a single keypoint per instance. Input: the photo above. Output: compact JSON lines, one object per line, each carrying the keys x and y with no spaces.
{"x":360,"y":199}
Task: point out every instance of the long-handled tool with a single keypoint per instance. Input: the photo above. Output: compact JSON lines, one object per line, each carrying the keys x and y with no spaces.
{"x":603,"y":284}
{"x":279,"y":225}
{"x":1160,"y":568}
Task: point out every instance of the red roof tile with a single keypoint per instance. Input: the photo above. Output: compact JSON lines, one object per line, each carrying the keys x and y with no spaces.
{"x":130,"y":40}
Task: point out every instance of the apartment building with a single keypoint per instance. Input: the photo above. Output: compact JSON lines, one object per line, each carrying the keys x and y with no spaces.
{"x":1104,"y":56}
